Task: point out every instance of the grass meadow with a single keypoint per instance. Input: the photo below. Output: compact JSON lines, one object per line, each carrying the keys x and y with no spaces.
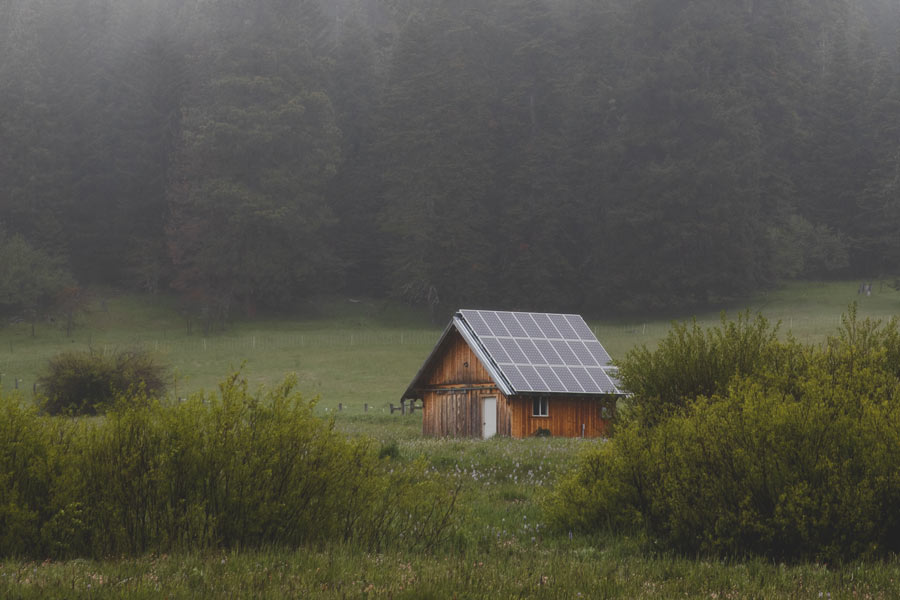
{"x":360,"y":353}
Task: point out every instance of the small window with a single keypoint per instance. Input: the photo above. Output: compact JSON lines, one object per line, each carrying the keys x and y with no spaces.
{"x":540,"y":407}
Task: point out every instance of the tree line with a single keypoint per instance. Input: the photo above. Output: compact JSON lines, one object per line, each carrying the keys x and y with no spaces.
{"x":563,"y":155}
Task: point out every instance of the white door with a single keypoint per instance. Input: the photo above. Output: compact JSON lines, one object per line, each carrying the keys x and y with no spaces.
{"x":489,"y":414}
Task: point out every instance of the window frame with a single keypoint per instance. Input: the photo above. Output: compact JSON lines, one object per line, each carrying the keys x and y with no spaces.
{"x":540,"y":407}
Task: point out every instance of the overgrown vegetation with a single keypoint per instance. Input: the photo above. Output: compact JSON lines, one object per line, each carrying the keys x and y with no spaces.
{"x":693,"y":361}
{"x":349,"y":353}
{"x":793,"y":454}
{"x":87,"y":382}
{"x":31,"y":280}
{"x":224,"y":470}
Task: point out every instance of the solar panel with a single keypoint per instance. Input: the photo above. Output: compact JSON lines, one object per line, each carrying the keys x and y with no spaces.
{"x":477,"y":323}
{"x":580,"y":327}
{"x":512,"y":324}
{"x":598,"y":352}
{"x":531,"y":352}
{"x":602,"y":380}
{"x":543,"y":321}
{"x":585,"y":380}
{"x":531,"y":328}
{"x":549,"y":353}
{"x":567,"y":378}
{"x":516,"y":378}
{"x":541,"y":352}
{"x":494,"y":322}
{"x":583,"y":354}
{"x":534,"y":379}
{"x":552,"y":380}
{"x":565,"y":353}
{"x":562,"y":325}
{"x":496,"y":350}
{"x":515,"y":353}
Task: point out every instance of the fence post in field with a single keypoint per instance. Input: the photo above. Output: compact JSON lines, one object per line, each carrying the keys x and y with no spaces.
{"x":366,"y":407}
{"x":402,"y":407}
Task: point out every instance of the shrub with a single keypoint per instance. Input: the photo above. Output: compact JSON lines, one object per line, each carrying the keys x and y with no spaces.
{"x":34,"y":455}
{"x":85,"y":383}
{"x":224,"y":470}
{"x":800,"y":460}
{"x":691,"y":362}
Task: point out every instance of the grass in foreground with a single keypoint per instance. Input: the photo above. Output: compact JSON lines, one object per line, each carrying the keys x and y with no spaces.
{"x":502,"y":551}
{"x":617,"y":568}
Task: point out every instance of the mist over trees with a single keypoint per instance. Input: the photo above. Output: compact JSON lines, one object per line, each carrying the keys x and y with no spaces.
{"x":567,"y":155}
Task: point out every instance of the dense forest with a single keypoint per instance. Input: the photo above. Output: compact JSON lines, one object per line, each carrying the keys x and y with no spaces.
{"x":591,"y":155}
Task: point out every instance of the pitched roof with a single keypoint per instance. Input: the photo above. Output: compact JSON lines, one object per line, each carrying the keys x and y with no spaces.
{"x":534,"y":353}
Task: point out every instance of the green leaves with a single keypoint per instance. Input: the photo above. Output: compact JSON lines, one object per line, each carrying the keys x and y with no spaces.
{"x":231,"y":469}
{"x":90,"y":382}
{"x":30,"y":279}
{"x":259,"y":145}
{"x":778,"y":450}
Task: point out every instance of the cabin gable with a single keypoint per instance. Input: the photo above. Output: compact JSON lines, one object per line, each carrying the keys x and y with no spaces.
{"x":455,"y":364}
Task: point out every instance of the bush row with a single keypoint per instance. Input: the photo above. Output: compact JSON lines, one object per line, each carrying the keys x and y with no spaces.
{"x":229,"y":469}
{"x":798,"y":460}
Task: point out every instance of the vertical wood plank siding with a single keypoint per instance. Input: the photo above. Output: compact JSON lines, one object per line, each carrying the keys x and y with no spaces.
{"x":458,"y":414}
{"x":565,"y":416}
{"x":449,"y":367}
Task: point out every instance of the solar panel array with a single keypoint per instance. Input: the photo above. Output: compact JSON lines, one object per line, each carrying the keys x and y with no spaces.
{"x":540,"y":352}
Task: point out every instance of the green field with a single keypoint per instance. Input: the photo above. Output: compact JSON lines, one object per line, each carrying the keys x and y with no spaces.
{"x":357,"y":353}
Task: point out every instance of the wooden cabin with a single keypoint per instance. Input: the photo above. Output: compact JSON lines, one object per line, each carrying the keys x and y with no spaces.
{"x":516,"y":374}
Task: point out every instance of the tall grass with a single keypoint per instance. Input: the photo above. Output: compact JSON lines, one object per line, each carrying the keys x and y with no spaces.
{"x":586,"y":569}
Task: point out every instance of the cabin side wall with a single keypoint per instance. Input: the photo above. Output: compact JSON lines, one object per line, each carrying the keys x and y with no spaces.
{"x":565,"y":416}
{"x":454,"y":391}
{"x":458,"y":413}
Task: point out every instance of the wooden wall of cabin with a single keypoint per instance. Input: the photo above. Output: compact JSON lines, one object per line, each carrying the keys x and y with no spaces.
{"x":456,"y":364}
{"x":565,"y":415}
{"x":458,"y":413}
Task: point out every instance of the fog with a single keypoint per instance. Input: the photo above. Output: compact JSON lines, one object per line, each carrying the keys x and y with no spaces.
{"x":609,"y":156}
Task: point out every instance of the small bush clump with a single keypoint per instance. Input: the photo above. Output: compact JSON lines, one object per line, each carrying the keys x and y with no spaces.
{"x":87,"y":382}
{"x":799,"y":459}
